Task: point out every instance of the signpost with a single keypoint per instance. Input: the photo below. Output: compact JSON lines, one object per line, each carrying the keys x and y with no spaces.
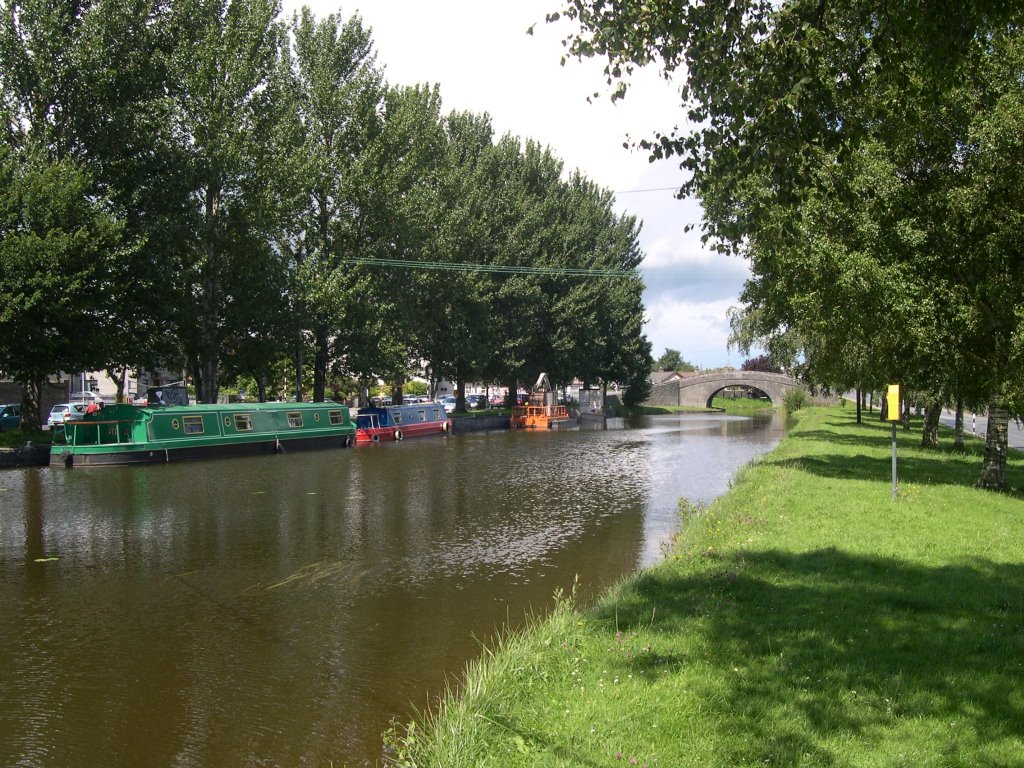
{"x":892,"y":414}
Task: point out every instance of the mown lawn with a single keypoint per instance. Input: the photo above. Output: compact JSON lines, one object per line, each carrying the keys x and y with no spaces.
{"x":804,"y":619}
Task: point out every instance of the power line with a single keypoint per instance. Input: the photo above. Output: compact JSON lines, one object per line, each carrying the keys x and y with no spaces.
{"x":652,"y":189}
{"x":507,"y":269}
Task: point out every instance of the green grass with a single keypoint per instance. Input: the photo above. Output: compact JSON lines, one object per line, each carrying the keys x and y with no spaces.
{"x":15,"y":438}
{"x":742,"y":405}
{"x":803,"y":619}
{"x":736,"y":405}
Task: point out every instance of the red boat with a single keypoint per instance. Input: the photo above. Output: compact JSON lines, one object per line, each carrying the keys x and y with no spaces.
{"x":397,"y":422}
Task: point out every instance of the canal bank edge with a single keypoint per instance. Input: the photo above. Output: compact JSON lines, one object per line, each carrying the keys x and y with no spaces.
{"x":26,"y":456}
{"x":781,"y":609}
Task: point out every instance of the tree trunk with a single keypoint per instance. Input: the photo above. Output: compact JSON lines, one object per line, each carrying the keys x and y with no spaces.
{"x":930,"y":431}
{"x":31,"y":401}
{"x":858,"y":404}
{"x":298,"y":370}
{"x":197,"y":378}
{"x":460,"y":394}
{"x":320,"y":365}
{"x":993,"y":468}
{"x":958,"y":429}
{"x":906,"y":414}
{"x":209,"y":342}
{"x":261,"y":387}
{"x":118,"y":376}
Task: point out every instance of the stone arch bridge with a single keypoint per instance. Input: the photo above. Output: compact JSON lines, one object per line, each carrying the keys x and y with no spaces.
{"x":698,"y":391}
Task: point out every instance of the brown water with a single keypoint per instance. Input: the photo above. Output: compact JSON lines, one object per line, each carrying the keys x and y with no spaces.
{"x":280,"y":610}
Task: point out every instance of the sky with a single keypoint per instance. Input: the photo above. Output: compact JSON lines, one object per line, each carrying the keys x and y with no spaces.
{"x":479,"y":53}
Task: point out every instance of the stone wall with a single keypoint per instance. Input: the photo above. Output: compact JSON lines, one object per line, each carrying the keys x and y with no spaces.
{"x":52,"y":394}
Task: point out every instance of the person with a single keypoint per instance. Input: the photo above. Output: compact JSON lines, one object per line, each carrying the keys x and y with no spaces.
{"x":92,"y":407}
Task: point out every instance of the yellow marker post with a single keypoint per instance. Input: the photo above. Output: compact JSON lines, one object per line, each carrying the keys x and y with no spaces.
{"x":892,"y":414}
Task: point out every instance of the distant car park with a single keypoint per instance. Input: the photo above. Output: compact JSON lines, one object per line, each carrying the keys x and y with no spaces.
{"x":10,"y":416}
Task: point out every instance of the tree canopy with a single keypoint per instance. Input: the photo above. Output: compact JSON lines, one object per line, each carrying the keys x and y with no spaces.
{"x":864,"y":159}
{"x":205,"y":185}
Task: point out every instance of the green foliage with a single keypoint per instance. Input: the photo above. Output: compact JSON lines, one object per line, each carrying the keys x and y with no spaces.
{"x":415,"y":388}
{"x":795,"y":399}
{"x":57,"y":247}
{"x":672,"y":360}
{"x":244,"y":180}
{"x":868,"y":166}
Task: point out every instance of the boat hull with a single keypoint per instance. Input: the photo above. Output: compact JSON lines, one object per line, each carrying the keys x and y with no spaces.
{"x":124,"y":435}
{"x":60,"y":456}
{"x":541,"y":417}
{"x":393,"y":423}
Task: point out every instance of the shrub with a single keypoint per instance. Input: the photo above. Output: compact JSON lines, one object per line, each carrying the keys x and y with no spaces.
{"x":794,"y":400}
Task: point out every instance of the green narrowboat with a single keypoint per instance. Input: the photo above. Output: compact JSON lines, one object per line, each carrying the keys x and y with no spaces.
{"x":129,"y":434}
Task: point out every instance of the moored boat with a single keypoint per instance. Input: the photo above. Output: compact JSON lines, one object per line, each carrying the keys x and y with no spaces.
{"x":541,"y":412}
{"x":396,"y":422}
{"x":129,"y":434}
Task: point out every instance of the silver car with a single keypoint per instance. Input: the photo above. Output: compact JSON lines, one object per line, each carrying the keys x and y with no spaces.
{"x":65,"y":412}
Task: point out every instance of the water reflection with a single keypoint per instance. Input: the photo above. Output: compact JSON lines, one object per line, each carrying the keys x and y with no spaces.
{"x":280,"y":610}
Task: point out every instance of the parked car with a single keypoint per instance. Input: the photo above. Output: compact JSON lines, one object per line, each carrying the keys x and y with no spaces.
{"x":476,"y":401}
{"x":449,"y":404}
{"x":10,"y":416}
{"x":64,"y":412}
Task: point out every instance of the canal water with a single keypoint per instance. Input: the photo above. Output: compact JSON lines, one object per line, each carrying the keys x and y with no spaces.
{"x":281,"y":610}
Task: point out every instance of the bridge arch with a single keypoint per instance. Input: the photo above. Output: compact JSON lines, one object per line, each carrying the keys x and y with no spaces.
{"x":697,"y":391}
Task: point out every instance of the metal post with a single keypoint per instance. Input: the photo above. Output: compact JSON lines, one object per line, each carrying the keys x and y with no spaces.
{"x":894,"y":483}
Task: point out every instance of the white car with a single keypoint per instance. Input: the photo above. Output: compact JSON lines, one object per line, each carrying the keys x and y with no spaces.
{"x":449,"y":404}
{"x":64,"y":412}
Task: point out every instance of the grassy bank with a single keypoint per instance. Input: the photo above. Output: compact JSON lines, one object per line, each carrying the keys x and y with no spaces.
{"x":804,"y":619}
{"x":735,"y":405}
{"x":15,"y":438}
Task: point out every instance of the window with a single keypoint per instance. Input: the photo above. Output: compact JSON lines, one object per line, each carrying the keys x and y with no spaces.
{"x":294,"y":419}
{"x":423,"y":415}
{"x":396,"y":416}
{"x":243,"y":422}
{"x":336,"y":417}
{"x":193,"y":425}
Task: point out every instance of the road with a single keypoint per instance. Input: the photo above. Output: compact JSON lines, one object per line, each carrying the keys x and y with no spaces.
{"x":978,"y":424}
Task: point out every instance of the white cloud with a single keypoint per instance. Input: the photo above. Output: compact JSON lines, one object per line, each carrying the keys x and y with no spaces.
{"x":698,"y":330}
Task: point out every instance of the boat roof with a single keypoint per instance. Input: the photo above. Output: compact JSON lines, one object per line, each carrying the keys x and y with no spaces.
{"x":234,"y":407}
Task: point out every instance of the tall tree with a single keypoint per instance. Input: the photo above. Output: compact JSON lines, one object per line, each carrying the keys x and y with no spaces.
{"x":226,"y":107}
{"x":57,"y":247}
{"x":337,"y":92}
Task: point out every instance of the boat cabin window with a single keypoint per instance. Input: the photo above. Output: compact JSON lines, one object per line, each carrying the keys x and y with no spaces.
{"x":243,"y":422}
{"x":396,"y":416}
{"x":294,"y":419}
{"x":192,"y":425}
{"x":336,"y":417}
{"x":437,"y":413}
{"x":423,"y":415}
